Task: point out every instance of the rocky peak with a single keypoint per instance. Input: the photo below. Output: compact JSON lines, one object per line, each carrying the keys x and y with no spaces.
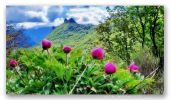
{"x":71,"y":20}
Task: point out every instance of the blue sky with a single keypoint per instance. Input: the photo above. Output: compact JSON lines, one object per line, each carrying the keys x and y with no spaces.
{"x":39,"y":16}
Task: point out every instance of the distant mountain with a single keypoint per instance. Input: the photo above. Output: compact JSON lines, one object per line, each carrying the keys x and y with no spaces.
{"x":16,"y":39}
{"x":24,"y":38}
{"x":36,"y":34}
{"x":71,"y":20}
{"x":70,"y":32}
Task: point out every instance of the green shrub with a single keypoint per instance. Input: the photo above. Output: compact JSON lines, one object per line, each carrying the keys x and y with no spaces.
{"x":146,"y":61}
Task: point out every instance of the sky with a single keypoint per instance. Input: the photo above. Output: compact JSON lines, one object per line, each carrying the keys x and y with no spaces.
{"x":40,"y":16}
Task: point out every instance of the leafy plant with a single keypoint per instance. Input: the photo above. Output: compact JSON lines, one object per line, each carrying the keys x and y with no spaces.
{"x":44,"y":74}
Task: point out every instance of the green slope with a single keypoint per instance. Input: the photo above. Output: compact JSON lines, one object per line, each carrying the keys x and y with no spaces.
{"x":71,"y":34}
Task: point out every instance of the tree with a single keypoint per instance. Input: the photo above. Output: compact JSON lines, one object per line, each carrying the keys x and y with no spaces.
{"x":116,"y":33}
{"x":156,"y":30}
{"x":148,"y":22}
{"x":138,"y":17}
{"x":128,"y":26}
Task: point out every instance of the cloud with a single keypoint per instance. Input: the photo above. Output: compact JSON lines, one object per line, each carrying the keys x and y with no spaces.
{"x":90,"y":15}
{"x":39,"y":16}
{"x":58,"y":21}
{"x":26,"y":14}
{"x":30,"y":17}
{"x":55,"y":12}
{"x":28,"y":25}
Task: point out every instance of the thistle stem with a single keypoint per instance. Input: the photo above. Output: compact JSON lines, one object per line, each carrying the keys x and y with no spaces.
{"x":19,"y":76}
{"x":48,"y":52}
{"x":111,"y":78}
{"x":77,"y":81}
{"x":66,"y":59}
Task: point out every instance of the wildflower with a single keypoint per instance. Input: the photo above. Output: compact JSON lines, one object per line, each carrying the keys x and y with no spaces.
{"x":46,"y":44}
{"x":67,"y":49}
{"x":13,"y":63}
{"x":134,"y":68}
{"x":110,"y":68}
{"x":97,"y":53}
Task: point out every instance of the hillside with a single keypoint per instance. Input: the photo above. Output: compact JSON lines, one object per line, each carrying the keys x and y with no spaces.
{"x":16,"y":39}
{"x":71,"y":33}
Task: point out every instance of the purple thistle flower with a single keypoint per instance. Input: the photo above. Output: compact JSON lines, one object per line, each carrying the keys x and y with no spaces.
{"x":97,"y":53}
{"x":46,"y":44}
{"x":13,"y":63}
{"x":67,"y":49}
{"x":110,"y":68}
{"x":134,"y":68}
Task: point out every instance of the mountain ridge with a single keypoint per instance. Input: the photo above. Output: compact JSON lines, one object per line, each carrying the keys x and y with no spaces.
{"x":70,"y":32}
{"x":71,"y":20}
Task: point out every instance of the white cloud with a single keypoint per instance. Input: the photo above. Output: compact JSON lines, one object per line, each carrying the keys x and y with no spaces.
{"x":58,"y":21}
{"x":39,"y":14}
{"x":93,"y":15}
{"x":28,"y":25}
{"x":83,"y":15}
